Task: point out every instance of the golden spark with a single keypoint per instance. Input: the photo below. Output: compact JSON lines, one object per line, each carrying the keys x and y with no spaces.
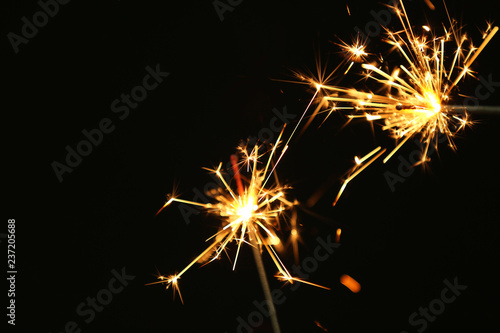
{"x":360,"y":165}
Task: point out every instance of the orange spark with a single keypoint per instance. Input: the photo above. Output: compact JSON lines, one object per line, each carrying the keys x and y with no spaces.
{"x":350,"y":283}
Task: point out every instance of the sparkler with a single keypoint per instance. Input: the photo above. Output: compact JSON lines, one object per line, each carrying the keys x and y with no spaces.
{"x":417,"y":92}
{"x":250,"y":214}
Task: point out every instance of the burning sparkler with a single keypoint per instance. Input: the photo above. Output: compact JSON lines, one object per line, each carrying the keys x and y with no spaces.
{"x":417,"y":92}
{"x":250,"y":214}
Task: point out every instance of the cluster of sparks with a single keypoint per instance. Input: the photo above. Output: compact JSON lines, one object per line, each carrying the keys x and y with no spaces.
{"x":412,"y":98}
{"x":250,"y":214}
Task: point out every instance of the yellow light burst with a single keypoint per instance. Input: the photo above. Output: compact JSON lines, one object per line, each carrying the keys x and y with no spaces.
{"x":355,"y":52}
{"x":250,"y":214}
{"x":417,"y":92}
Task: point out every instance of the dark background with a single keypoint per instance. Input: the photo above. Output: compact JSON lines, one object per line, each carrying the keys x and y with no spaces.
{"x":441,"y":223}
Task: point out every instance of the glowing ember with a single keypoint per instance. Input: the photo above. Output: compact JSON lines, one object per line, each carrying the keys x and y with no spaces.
{"x":350,"y":283}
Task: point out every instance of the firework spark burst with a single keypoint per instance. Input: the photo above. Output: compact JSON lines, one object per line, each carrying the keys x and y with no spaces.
{"x":412,"y":98}
{"x":250,"y":214}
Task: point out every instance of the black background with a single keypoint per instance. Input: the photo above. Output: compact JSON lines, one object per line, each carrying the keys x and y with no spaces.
{"x":441,"y":223}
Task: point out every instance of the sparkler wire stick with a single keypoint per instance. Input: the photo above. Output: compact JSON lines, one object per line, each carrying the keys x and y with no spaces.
{"x":475,"y":109}
{"x":257,"y":256}
{"x":265,"y":286}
